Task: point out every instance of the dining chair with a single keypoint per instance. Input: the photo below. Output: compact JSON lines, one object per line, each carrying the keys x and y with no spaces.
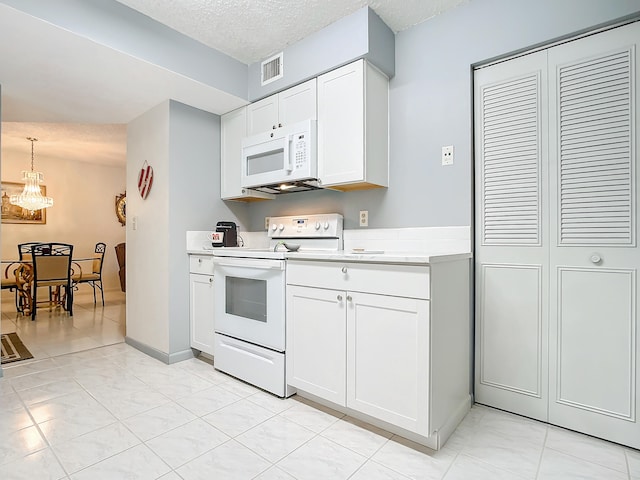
{"x":9,"y":277}
{"x":52,"y":268}
{"x":24,"y":250}
{"x":121,"y":256}
{"x":95,"y":277}
{"x":11,"y":282}
{"x":24,"y":255}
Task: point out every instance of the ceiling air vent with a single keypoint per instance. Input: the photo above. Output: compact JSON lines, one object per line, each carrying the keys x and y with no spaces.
{"x":272,"y":69}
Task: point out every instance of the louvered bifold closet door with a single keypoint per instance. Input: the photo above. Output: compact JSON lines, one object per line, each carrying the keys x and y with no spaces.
{"x":594,"y":123}
{"x":594,"y":258}
{"x":510,"y":141}
{"x":510,"y":161}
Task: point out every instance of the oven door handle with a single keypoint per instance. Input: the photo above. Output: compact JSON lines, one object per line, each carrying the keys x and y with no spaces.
{"x":251,"y":263}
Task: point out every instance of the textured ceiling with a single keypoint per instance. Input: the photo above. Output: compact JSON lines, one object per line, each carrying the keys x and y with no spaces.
{"x":101,"y":144}
{"x":252,"y":30}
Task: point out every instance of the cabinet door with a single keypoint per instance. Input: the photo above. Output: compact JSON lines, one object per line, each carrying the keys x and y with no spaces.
{"x":388,"y":359}
{"x":201,"y":312}
{"x":341,"y":125}
{"x":233,"y":128}
{"x":316,"y":336}
{"x":297,"y":104}
{"x":262,"y":115}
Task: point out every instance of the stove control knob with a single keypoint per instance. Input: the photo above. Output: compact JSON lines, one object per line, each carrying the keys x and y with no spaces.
{"x":274,"y":227}
{"x":326,"y":225}
{"x":281,"y":227}
{"x":317,"y":225}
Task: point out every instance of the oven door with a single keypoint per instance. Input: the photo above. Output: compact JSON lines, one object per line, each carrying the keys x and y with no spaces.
{"x":250,"y":300}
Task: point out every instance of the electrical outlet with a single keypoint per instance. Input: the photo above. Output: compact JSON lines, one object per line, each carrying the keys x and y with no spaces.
{"x":364,"y":218}
{"x":447,"y":155}
{"x":266,"y":223}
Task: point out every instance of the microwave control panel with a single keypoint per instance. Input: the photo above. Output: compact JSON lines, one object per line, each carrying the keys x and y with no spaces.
{"x":300,"y":151}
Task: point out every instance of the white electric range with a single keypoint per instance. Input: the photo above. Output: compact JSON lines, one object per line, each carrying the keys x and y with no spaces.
{"x":249,"y":286}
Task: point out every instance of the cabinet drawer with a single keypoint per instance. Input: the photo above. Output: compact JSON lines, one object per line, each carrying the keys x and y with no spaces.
{"x":396,"y":280}
{"x":201,"y":264}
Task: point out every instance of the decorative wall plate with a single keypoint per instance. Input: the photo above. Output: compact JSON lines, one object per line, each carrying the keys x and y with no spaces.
{"x":145,"y":180}
{"x":121,"y":208}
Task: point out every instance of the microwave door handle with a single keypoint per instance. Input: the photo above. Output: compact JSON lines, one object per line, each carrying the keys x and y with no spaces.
{"x":288,"y":163}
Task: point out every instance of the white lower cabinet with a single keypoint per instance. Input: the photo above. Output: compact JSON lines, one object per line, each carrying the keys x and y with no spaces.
{"x":371,"y":353}
{"x":316,"y":342}
{"x":201,"y":303}
{"x":388,"y":359}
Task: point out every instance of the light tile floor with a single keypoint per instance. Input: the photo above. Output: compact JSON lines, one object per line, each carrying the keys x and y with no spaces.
{"x":112,"y":412}
{"x":54,"y":332}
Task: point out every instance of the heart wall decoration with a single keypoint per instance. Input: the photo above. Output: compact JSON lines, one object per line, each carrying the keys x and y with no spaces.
{"x":145,"y":180}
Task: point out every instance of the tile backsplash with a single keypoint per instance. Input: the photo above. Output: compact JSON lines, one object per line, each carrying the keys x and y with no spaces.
{"x":416,"y":239}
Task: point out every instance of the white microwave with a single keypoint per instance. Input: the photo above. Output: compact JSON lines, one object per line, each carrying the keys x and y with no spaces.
{"x":281,"y":156}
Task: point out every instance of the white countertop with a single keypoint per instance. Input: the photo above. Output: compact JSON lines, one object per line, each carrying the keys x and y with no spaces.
{"x":416,"y":258}
{"x":417,"y":246}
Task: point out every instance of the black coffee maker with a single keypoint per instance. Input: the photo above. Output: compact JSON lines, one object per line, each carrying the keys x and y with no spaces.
{"x":230,"y":238}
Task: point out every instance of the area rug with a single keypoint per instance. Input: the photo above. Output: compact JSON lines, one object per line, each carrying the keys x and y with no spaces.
{"x":13,"y":350}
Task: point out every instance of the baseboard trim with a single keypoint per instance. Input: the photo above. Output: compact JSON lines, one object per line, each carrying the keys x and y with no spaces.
{"x":168,"y":358}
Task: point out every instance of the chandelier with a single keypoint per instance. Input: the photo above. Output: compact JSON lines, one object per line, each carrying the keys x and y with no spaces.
{"x":31,"y":197}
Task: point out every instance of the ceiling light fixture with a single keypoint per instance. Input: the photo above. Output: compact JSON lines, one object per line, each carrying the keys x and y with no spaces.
{"x":31,"y":197}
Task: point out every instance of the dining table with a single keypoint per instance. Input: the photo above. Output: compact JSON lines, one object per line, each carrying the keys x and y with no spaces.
{"x":22,"y":272}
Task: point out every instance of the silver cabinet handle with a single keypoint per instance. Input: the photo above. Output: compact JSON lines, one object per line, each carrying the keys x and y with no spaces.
{"x":339,"y":298}
{"x":349,"y":298}
{"x":344,"y":269}
{"x":199,"y":260}
{"x":595,"y":258}
{"x":211,"y":280}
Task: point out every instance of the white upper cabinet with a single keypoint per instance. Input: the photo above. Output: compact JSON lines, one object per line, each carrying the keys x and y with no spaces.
{"x":290,"y":106}
{"x":233,"y":128}
{"x":353,"y":127}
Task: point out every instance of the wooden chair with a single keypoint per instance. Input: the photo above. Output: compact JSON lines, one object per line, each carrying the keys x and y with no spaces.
{"x":121,"y":254}
{"x":24,"y":255}
{"x":9,"y":278}
{"x":94,"y":278}
{"x":52,"y":268}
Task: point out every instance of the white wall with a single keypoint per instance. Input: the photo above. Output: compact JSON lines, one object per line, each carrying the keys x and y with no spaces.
{"x":83,"y":212}
{"x":148,"y":244}
{"x":182,"y":144}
